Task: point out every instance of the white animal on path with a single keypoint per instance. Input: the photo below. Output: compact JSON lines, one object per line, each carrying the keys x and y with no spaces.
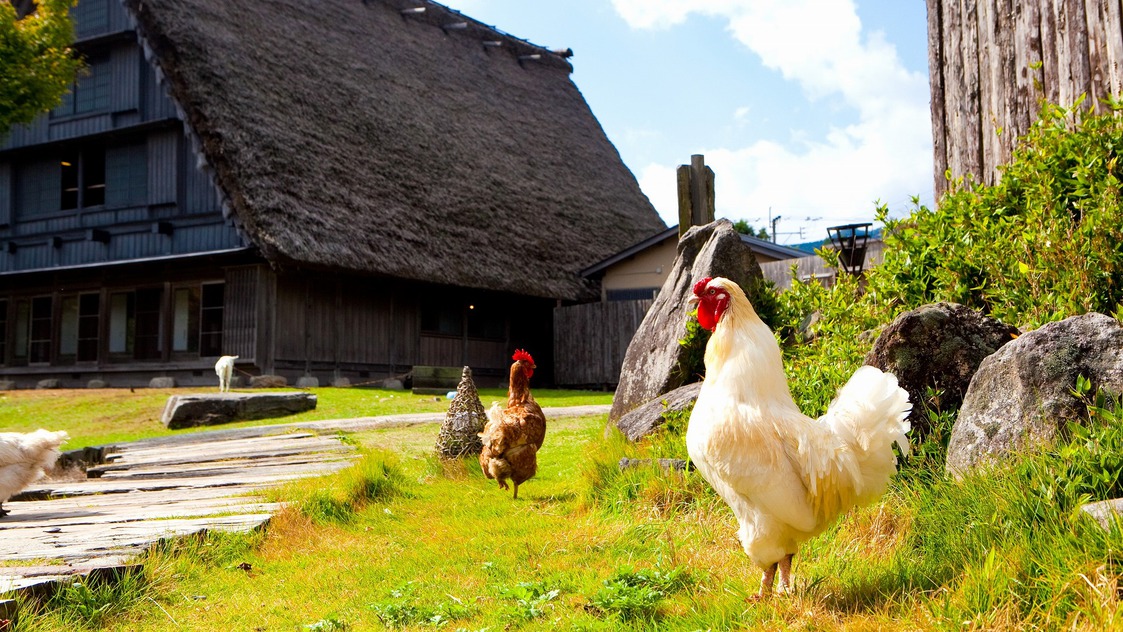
{"x":23,"y":457}
{"x":225,"y":370}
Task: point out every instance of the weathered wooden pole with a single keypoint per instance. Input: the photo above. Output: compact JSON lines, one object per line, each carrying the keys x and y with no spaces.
{"x":695,"y":194}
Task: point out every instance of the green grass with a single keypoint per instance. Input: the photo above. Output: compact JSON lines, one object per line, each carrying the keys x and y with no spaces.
{"x":107,"y":416}
{"x":407,"y":541}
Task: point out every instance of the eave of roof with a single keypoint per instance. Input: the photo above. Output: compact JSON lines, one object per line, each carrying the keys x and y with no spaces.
{"x":758,"y":245}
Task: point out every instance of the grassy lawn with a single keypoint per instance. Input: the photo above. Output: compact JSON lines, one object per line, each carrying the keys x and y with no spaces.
{"x":105,"y":416}
{"x":404,"y":540}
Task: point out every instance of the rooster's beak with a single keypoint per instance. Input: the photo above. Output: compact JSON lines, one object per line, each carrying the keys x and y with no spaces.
{"x":692,"y":301}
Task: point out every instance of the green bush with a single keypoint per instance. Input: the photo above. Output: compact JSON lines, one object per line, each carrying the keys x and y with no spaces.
{"x":1043,"y":244}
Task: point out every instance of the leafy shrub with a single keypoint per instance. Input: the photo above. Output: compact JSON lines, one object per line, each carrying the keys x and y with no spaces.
{"x":1043,"y":244}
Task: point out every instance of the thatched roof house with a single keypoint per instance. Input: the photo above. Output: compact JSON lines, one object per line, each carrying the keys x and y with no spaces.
{"x":330,"y":189}
{"x":375,"y":137}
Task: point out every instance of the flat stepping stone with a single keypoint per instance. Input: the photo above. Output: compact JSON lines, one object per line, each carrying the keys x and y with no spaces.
{"x":187,"y":411}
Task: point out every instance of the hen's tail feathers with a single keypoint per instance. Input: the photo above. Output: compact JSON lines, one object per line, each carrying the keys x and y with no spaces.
{"x":870,"y":414}
{"x":43,"y":446}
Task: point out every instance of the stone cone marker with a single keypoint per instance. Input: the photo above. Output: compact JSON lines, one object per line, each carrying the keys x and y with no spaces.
{"x":460,"y":432}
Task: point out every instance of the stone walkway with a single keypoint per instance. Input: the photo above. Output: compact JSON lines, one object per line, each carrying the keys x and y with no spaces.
{"x":168,"y":487}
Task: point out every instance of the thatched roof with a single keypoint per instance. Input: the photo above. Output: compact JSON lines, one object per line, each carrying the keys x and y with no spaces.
{"x":349,"y":135}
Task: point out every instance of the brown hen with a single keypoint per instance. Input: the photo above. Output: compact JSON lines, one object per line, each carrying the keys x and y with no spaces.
{"x":513,"y":435}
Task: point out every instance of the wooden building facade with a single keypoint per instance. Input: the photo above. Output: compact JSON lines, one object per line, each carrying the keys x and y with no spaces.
{"x":991,"y":62}
{"x":185,"y":202}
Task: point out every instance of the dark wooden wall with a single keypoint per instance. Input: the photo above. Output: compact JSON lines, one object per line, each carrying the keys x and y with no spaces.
{"x":181,"y":211}
{"x":590,"y":341}
{"x":331,"y":325}
{"x":992,"y":61}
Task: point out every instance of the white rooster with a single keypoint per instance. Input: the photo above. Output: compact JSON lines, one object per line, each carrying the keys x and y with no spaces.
{"x":24,"y":457}
{"x":786,"y":476}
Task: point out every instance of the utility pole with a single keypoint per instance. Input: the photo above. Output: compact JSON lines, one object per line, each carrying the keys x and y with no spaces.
{"x":772,"y":221}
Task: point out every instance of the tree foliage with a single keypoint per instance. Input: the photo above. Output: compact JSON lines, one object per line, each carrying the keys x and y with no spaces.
{"x":37,"y":64}
{"x":742,"y":226}
{"x":1043,"y":244}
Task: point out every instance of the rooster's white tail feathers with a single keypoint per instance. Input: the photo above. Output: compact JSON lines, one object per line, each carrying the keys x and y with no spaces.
{"x":870,"y":414}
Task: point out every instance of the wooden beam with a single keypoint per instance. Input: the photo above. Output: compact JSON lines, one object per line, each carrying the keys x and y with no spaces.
{"x":685,"y":213}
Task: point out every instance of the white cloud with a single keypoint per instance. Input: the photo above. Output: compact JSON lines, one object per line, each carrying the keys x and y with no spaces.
{"x":819,"y":44}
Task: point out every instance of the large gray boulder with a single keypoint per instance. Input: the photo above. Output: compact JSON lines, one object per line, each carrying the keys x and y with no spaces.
{"x":185,"y":411}
{"x":937,"y":346}
{"x":645,"y":418}
{"x":1022,"y":394}
{"x":654,"y":362}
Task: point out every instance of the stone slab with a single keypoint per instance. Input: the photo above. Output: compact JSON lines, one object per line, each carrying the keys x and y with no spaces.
{"x":186,"y":411}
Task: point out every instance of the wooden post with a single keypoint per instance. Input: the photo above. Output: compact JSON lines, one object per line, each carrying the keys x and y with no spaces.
{"x":695,"y":194}
{"x":685,"y":212}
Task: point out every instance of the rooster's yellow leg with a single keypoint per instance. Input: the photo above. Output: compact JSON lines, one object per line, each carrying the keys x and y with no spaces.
{"x":786,"y":573}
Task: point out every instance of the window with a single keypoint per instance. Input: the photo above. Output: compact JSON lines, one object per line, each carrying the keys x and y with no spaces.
{"x":125,"y":175}
{"x":486,"y":321}
{"x":134,"y":324}
{"x":23,"y":324}
{"x":91,"y":17}
{"x":37,"y":188}
{"x":78,"y":329}
{"x":39,"y":335}
{"x":3,"y":331}
{"x":210,"y":321}
{"x":90,"y":93}
{"x":185,"y":322}
{"x":197,"y":319}
{"x":82,"y":177}
{"x":442,"y":317}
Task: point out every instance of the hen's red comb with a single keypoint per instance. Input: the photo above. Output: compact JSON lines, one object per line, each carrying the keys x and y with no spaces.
{"x":522,"y":355}
{"x":700,"y":286}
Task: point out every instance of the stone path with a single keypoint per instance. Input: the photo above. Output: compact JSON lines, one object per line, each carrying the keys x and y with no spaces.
{"x":167,"y":487}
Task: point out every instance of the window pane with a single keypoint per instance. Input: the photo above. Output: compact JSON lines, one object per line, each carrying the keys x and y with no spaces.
{"x":39,"y":340}
{"x":89,"y":316}
{"x":147,"y":328}
{"x":120,"y":322}
{"x":91,"y":93}
{"x":442,"y":317}
{"x":3,"y":331}
{"x":93,"y":176}
{"x":210,"y":319}
{"x":91,"y":17}
{"x":23,"y":324}
{"x":37,"y":188}
{"x":486,"y":321}
{"x":185,"y":326}
{"x":68,"y":327}
{"x":69,"y":180}
{"x":126,"y":175}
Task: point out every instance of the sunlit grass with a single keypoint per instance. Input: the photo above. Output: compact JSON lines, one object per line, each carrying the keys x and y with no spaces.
{"x":105,"y":416}
{"x":405,"y":540}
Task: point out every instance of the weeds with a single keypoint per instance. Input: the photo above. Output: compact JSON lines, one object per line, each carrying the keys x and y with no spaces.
{"x":631,"y":594}
{"x":531,"y":600}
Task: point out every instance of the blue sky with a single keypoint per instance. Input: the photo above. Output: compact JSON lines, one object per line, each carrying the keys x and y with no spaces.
{"x":805,"y":109}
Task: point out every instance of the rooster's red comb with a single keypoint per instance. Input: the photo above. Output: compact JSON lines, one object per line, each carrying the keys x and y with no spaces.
{"x":522,"y":355}
{"x":700,"y":286}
